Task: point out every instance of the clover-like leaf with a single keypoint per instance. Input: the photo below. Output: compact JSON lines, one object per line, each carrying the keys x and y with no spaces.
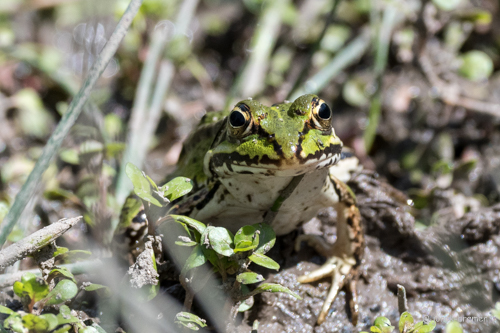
{"x":190,"y":321}
{"x":177,"y":188}
{"x":267,"y":237}
{"x":144,"y":187}
{"x":405,"y":321}
{"x":249,"y":278}
{"x":420,"y":327}
{"x":195,"y":259}
{"x":221,"y":241}
{"x":31,"y":286}
{"x":103,"y":291}
{"x":276,"y":288}
{"x":35,"y":323}
{"x":263,"y":260}
{"x":63,"y":291}
{"x":246,"y":239}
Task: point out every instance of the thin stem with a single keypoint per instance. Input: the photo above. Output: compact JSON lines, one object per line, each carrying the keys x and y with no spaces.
{"x":67,"y":121}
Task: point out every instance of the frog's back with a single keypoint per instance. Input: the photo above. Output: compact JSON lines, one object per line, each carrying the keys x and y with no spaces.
{"x":190,"y":162}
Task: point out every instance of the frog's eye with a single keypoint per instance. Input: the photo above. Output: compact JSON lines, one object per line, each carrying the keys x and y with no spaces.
{"x":240,"y":120}
{"x":321,"y":114}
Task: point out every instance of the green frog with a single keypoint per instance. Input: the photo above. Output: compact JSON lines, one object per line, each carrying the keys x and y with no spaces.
{"x":241,"y":161}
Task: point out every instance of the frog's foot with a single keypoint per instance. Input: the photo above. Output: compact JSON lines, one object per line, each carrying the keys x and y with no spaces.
{"x":340,"y":267}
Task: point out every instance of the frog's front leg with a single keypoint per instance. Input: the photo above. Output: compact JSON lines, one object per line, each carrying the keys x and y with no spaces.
{"x":344,"y":257}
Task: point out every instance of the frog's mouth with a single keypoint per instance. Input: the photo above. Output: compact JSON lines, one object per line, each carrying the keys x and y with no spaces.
{"x":235,"y":163}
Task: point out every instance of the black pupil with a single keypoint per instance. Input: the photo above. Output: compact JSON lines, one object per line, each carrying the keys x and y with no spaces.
{"x":237,"y":119}
{"x":324,"y":111}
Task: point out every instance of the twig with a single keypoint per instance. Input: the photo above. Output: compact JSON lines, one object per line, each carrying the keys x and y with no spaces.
{"x":344,"y":58}
{"x":67,"y":121}
{"x":450,"y":94}
{"x":35,"y":241}
{"x":402,"y":302}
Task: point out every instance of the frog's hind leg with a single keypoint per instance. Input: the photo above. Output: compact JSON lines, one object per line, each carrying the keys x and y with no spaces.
{"x":344,"y":257}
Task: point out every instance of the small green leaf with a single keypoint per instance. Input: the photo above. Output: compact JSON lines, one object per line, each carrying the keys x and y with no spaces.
{"x":114,"y":148}
{"x":61,"y":272}
{"x":246,"y":239}
{"x":383,"y":324}
{"x":454,"y":327}
{"x":420,"y":327}
{"x":6,"y":310}
{"x":221,"y":241}
{"x":130,"y":209}
{"x":103,"y":291}
{"x":63,"y":291}
{"x":276,"y":288}
{"x":14,"y":322}
{"x":74,"y":255}
{"x":267,"y":237}
{"x":263,"y":260}
{"x":405,"y":320}
{"x":190,"y":321}
{"x":177,"y":188}
{"x":69,"y":156}
{"x":51,"y":319}
{"x":195,"y":259}
{"x":65,"y":316}
{"x":32,"y":287}
{"x":249,"y":278}
{"x":65,"y":328}
{"x":476,"y":65}
{"x":375,"y":329}
{"x":246,"y":305}
{"x":60,"y":250}
{"x":196,"y":225}
{"x":35,"y":323}
{"x":143,"y":185}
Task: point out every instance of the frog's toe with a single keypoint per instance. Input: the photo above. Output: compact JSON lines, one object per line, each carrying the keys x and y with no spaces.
{"x":342,"y":273}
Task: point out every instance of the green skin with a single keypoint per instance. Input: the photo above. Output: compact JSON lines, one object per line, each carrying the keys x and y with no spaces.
{"x":241,"y":162}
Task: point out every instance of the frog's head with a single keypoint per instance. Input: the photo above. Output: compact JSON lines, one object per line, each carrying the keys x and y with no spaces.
{"x":284,"y":140}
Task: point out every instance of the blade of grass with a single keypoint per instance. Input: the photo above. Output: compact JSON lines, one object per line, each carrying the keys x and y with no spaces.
{"x":252,"y":77}
{"x":344,"y":58}
{"x":314,"y":49}
{"x":389,"y":20}
{"x":67,"y":120}
{"x":147,"y":106}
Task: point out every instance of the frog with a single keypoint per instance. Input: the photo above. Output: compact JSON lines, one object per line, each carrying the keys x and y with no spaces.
{"x":242,"y":160}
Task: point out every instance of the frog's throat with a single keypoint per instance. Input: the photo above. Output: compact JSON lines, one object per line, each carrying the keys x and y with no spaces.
{"x":234,"y":162}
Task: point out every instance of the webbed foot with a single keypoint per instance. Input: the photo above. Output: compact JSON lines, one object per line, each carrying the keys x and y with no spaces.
{"x":341,"y":268}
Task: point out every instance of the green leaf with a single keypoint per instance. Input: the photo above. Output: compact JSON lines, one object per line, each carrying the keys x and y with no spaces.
{"x":375,"y":329}
{"x":454,"y":327}
{"x":63,"y":329}
{"x":60,"y":250}
{"x":276,"y":288}
{"x":114,"y":148}
{"x":103,"y":291}
{"x":246,"y":305}
{"x":420,"y":327}
{"x":131,"y":207}
{"x":32,"y":287}
{"x":74,"y":255}
{"x":249,"y":278}
{"x":196,"y":225}
{"x":211,"y":255}
{"x":267,"y":237}
{"x":177,"y":188}
{"x":61,"y":272}
{"x":35,"y":323}
{"x":405,"y":320}
{"x":65,"y":316}
{"x":263,"y":260}
{"x":246,"y":239}
{"x":383,"y":324}
{"x":63,"y":291}
{"x":195,"y":259}
{"x":476,"y":65}
{"x":69,"y":156}
{"x":496,"y":311}
{"x":221,"y":241}
{"x":447,"y":5}
{"x":51,"y":319}
{"x":6,"y":310}
{"x":143,"y":185}
{"x":15,"y":323}
{"x":190,"y":321}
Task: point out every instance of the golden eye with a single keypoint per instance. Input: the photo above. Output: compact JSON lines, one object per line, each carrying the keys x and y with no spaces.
{"x":240,"y":120}
{"x":321,"y":116}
